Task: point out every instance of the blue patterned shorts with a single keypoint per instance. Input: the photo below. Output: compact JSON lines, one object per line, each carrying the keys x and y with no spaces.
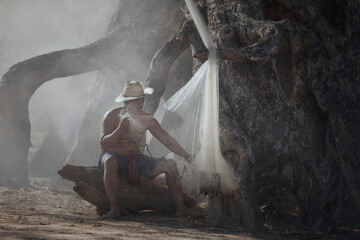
{"x":144,"y":163}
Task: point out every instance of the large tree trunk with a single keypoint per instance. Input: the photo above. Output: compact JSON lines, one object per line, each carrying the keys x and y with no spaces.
{"x":270,"y":114}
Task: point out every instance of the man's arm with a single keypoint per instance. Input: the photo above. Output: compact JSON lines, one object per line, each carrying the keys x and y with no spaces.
{"x":109,"y":135}
{"x":157,"y":131}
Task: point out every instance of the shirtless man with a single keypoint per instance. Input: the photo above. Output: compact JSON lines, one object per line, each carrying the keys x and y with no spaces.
{"x":122,"y":131}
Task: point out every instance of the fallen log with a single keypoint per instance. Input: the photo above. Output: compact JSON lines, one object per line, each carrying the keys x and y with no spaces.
{"x":147,"y":195}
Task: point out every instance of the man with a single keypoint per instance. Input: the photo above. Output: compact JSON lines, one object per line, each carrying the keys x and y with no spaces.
{"x":122,"y":131}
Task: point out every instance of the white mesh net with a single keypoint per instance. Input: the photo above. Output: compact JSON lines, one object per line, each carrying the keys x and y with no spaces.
{"x":197,"y":104}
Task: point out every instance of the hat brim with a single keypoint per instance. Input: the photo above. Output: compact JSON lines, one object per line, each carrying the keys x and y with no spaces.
{"x":121,"y":98}
{"x":124,"y":99}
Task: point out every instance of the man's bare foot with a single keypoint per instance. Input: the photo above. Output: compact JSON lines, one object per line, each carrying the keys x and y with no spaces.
{"x":110,"y":215}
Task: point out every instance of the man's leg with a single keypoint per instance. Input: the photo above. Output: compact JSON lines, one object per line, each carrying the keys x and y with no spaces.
{"x":111,"y":167}
{"x":172,"y":176}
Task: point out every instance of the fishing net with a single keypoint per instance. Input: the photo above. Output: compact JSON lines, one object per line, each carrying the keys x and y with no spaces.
{"x":197,"y":105}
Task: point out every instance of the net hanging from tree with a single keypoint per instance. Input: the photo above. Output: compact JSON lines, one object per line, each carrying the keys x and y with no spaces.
{"x":197,"y":104}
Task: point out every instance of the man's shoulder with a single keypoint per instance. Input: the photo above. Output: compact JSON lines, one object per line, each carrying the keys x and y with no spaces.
{"x":151,"y":120}
{"x":145,"y":114}
{"x":148,"y":116}
{"x":113,"y":112}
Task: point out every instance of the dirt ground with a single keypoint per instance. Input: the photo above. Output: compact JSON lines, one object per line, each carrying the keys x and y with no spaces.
{"x":47,"y":210}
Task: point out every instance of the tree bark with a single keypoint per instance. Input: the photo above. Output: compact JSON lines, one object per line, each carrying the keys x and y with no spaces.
{"x":327,"y":88}
{"x":162,"y":61}
{"x":255,"y":102}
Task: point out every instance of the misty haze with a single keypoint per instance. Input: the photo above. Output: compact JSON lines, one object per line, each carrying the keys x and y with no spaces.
{"x":234,"y":119}
{"x":40,"y":26}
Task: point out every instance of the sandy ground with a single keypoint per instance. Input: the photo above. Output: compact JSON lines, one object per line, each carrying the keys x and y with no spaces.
{"x":51,"y":211}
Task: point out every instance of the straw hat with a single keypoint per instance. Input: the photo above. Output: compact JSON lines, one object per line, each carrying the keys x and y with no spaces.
{"x":133,"y":90}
